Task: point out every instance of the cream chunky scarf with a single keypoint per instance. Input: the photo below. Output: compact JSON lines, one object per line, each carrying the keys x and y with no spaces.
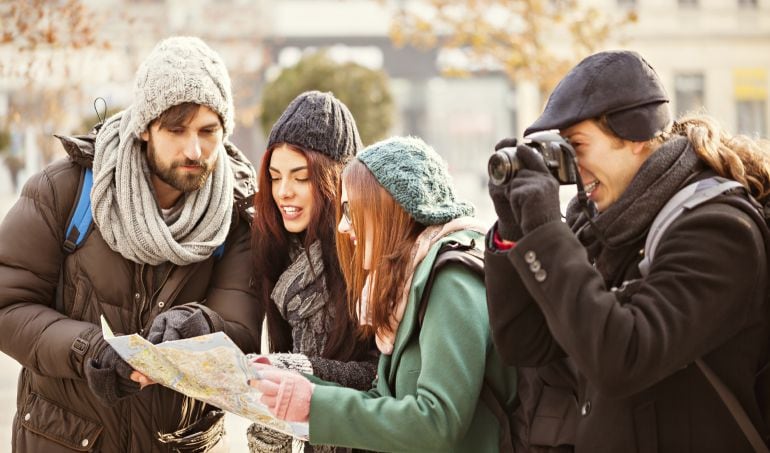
{"x":127,"y":213}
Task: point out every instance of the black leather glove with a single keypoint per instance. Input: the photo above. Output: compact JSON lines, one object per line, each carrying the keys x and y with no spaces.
{"x":178,"y":323}
{"x":108,"y":375}
{"x":507,"y":225}
{"x":533,"y":193}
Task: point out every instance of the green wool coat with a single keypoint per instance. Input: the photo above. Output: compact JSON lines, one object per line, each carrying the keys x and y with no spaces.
{"x":426,"y":395}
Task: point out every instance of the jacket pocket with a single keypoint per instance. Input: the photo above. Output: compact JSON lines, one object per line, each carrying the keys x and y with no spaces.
{"x":58,"y":424}
{"x":645,"y":426}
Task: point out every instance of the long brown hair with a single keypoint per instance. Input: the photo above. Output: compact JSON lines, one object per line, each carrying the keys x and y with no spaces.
{"x":393,"y":231}
{"x":736,"y":157}
{"x":270,"y":251}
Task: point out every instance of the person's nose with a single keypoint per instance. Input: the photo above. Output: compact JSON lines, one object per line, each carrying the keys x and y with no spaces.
{"x":193,"y":149}
{"x":285,"y":189}
{"x":343,"y":227}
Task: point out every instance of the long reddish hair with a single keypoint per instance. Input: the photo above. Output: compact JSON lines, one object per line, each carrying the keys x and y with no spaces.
{"x":394,"y":232}
{"x":270,"y":251}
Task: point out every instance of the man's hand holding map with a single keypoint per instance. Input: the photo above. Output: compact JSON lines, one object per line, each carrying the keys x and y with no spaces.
{"x":209,"y":368}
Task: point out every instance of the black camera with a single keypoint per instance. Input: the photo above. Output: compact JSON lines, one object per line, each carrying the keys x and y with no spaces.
{"x":557,"y":153}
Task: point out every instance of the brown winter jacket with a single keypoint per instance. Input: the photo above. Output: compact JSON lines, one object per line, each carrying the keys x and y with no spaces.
{"x":638,"y":388}
{"x":56,"y":410}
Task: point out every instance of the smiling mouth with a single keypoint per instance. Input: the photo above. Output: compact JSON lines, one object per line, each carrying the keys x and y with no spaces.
{"x":591,"y":187}
{"x":290,"y":213}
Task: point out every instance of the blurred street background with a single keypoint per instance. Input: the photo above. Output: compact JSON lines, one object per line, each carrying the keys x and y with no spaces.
{"x":461,"y":74}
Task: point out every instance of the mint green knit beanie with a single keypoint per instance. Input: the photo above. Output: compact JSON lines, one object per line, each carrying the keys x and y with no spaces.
{"x":417,"y":178}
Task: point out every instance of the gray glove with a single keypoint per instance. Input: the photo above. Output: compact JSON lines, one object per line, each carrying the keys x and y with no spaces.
{"x":533,"y":193}
{"x":108,"y":375}
{"x":178,"y":323}
{"x":507,"y":226}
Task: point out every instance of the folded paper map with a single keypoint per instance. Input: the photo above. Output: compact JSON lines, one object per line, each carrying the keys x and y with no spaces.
{"x":209,"y":368}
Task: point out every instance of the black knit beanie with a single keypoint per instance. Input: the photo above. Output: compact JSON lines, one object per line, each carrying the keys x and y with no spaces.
{"x":319,"y":122}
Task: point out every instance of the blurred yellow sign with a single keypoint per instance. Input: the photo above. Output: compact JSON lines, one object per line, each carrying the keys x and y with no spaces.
{"x":750,"y":84}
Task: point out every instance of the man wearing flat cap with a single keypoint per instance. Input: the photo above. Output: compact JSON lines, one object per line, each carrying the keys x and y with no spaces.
{"x":582,"y":292}
{"x":166,"y":256}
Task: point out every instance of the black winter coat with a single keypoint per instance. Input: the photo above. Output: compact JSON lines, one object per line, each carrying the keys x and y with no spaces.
{"x":634,"y":347}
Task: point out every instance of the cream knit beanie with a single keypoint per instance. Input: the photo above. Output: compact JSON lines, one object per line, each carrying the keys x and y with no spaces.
{"x":178,"y":70}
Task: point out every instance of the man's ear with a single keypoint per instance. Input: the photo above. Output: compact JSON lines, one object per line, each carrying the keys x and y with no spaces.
{"x":145,"y":135}
{"x":638,"y":148}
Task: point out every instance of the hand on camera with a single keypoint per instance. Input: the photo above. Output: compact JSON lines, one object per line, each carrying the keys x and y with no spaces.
{"x":533,"y":194}
{"x":507,"y":225}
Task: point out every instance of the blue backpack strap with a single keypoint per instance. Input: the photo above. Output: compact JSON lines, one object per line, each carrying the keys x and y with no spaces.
{"x":686,"y":199}
{"x":78,"y":226}
{"x":81,"y":219}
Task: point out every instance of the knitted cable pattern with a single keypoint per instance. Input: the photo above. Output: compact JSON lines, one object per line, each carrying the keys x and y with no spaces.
{"x":126,"y":212}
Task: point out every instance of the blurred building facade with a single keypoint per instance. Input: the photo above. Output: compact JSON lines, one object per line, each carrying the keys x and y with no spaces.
{"x":711,"y":54}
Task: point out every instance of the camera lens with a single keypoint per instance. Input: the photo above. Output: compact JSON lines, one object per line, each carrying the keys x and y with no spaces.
{"x":499,"y":168}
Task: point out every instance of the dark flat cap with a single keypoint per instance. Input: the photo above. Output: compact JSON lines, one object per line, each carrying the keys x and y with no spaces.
{"x":618,"y":84}
{"x":319,"y":122}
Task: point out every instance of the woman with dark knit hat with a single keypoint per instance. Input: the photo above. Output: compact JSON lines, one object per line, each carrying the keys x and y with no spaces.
{"x":298,"y":277}
{"x":397,"y":209}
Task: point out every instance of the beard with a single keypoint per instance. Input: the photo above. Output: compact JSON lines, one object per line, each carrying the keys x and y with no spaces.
{"x":183,"y":181}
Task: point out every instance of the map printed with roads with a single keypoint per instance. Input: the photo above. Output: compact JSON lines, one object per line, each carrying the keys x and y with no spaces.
{"x":209,"y":368}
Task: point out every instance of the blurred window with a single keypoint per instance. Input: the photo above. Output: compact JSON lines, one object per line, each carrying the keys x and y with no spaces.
{"x":747,"y":3}
{"x":752,"y":119}
{"x":750,"y":92}
{"x":689,"y":92}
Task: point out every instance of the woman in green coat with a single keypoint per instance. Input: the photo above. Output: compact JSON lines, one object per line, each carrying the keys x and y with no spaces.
{"x":397,"y":209}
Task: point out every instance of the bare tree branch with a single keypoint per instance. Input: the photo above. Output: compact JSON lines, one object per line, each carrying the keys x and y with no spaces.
{"x":535,"y":40}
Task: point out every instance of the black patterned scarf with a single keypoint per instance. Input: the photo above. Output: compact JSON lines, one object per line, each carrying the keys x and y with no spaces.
{"x":301,"y":296}
{"x":627,"y":220}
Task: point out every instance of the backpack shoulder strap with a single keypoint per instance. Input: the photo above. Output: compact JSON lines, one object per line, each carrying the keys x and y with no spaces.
{"x":451,"y":252}
{"x":505,"y":443}
{"x":735,"y":408}
{"x":80,"y":219}
{"x":78,"y":226}
{"x":471,"y":257}
{"x":686,"y":199}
